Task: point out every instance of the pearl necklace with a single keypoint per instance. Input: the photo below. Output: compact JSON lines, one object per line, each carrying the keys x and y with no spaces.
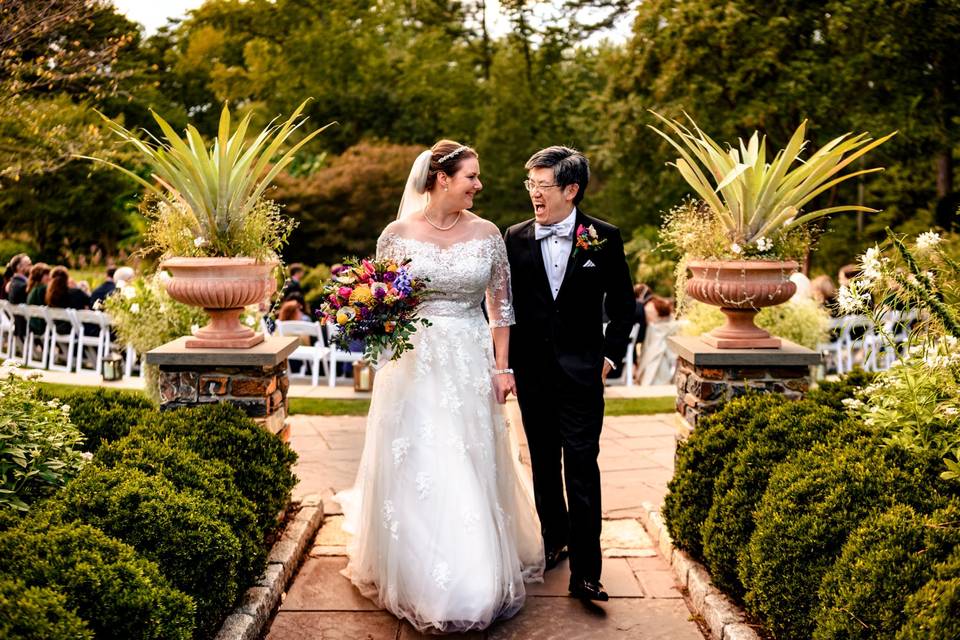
{"x":438,"y":227}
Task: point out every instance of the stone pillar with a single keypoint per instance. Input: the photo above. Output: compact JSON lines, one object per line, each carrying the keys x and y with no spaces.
{"x":707,"y":377}
{"x":253,"y":379}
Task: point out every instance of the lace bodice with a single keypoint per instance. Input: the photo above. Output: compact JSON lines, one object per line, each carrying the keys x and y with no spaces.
{"x":460,"y":274}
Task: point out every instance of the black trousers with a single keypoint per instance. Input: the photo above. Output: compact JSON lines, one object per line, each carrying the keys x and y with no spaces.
{"x":562,"y":420}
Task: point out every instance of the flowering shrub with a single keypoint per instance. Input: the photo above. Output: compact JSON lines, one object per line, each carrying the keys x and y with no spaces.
{"x":375,"y":301}
{"x":39,"y":446}
{"x":146,"y":317}
{"x":916,"y":403}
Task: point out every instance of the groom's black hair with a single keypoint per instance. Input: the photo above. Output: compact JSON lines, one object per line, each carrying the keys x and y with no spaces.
{"x":569,"y":167}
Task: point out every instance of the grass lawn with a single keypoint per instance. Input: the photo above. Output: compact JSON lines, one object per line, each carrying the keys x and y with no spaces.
{"x":360,"y":407}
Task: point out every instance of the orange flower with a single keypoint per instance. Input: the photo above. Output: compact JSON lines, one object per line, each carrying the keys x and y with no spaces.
{"x":388,"y":326}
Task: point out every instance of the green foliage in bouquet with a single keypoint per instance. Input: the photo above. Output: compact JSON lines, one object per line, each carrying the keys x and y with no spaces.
{"x":802,"y":321}
{"x":210,"y":199}
{"x":752,"y":204}
{"x":39,"y":445}
{"x":375,"y":301}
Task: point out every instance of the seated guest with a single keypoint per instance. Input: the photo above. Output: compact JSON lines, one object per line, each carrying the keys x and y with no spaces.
{"x":61,"y":295}
{"x":823,"y":291}
{"x":293,"y":308}
{"x":37,"y":293}
{"x":657,"y":360}
{"x":15,"y":287}
{"x":292,"y":285}
{"x":100,"y":293}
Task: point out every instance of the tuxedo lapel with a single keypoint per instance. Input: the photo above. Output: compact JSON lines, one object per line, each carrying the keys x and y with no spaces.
{"x":537,"y":254}
{"x":575,"y":255}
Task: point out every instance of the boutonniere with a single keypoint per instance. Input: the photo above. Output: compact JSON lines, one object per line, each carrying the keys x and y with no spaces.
{"x":587,"y":239}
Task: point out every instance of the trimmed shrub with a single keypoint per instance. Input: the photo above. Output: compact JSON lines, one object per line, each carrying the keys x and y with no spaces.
{"x":176,"y":529}
{"x":261,"y":462}
{"x":933,"y":612}
{"x":700,"y":459}
{"x":812,"y":503}
{"x":103,"y":415}
{"x":767,"y":440}
{"x":832,"y":394}
{"x":118,"y":593}
{"x":885,"y":560}
{"x":210,"y":478}
{"x":35,"y":613}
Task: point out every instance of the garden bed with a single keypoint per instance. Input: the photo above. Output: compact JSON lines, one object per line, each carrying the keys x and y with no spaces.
{"x":820,"y":523}
{"x":158,"y":535}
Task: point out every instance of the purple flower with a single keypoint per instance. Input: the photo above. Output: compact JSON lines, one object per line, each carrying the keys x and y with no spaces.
{"x":389,"y":276}
{"x":402,"y":282}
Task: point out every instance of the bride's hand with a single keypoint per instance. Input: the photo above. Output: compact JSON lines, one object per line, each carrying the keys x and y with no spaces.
{"x":504,"y":384}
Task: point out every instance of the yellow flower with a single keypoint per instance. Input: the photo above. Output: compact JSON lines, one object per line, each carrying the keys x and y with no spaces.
{"x":361,"y":294}
{"x":346,"y":314}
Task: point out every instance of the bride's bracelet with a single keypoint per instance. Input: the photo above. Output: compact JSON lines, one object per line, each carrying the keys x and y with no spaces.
{"x":502,"y":371}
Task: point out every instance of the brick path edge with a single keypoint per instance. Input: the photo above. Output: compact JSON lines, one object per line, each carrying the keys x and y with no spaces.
{"x":248,"y":619}
{"x":724,"y":619}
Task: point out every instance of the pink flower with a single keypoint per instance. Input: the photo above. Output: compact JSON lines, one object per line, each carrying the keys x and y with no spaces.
{"x":368,"y":266}
{"x":581,"y":230}
{"x":344,"y":292}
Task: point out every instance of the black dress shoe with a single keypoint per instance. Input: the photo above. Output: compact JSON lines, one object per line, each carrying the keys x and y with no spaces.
{"x":553,"y":557}
{"x":588,"y":590}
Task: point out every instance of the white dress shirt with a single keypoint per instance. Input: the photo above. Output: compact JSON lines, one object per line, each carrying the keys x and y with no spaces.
{"x":556,"y":252}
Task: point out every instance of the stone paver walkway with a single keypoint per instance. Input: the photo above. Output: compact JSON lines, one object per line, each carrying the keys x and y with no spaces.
{"x":636,"y":461}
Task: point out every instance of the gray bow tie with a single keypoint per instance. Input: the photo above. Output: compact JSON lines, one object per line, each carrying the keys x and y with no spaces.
{"x":560,"y":230}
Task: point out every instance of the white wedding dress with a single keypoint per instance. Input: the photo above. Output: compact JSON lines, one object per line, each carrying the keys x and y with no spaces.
{"x":444,"y":529}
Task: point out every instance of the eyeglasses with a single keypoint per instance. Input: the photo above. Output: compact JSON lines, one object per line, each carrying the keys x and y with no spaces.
{"x":532,"y":186}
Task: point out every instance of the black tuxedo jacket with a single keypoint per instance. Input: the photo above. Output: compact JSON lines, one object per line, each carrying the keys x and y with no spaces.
{"x":570,"y":328}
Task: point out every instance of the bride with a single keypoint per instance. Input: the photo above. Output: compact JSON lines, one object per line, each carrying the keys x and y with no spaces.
{"x":444,"y":528}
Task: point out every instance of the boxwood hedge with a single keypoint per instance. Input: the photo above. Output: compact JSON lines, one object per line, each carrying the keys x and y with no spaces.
{"x":37,"y":613}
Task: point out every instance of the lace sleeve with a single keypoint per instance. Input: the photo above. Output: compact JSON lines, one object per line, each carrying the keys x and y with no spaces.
{"x":385,"y":246}
{"x":499,"y":294}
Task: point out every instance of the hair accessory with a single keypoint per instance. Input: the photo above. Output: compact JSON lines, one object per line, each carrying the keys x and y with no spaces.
{"x":453,"y":154}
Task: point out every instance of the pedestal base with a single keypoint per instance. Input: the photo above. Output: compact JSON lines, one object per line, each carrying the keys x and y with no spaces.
{"x":734,"y":343}
{"x":253,"y":379}
{"x":708,"y":375}
{"x":233,"y":343}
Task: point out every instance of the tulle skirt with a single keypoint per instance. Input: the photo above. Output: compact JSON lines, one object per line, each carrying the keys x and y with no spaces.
{"x":444,"y":528}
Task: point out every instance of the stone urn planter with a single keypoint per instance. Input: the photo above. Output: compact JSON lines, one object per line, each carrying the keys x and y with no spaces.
{"x":223,"y":287}
{"x":741,"y":288}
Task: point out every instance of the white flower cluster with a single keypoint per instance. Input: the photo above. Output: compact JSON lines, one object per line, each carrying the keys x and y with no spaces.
{"x":927,"y":240}
{"x":764,"y":244}
{"x":871,"y":265}
{"x":851,"y":299}
{"x":737,"y":249}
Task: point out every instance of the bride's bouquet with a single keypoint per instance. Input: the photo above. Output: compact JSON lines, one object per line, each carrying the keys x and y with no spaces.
{"x":374,"y":301}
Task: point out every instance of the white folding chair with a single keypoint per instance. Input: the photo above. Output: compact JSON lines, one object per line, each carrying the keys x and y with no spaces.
{"x":63,"y":338}
{"x":312,"y":356}
{"x":129,"y":360}
{"x":37,"y":312}
{"x":859,"y":342}
{"x":99,"y":342}
{"x":626,"y":371}
{"x":832,"y":349}
{"x":6,"y":330}
{"x":336,"y":355}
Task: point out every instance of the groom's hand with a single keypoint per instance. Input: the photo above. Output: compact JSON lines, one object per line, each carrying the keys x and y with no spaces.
{"x":607,"y":368}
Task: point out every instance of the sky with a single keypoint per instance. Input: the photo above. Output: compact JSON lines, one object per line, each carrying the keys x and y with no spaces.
{"x":153,"y":14}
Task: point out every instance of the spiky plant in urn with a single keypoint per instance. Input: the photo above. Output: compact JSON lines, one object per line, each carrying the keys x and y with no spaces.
{"x":209,"y":221}
{"x":743,"y":233}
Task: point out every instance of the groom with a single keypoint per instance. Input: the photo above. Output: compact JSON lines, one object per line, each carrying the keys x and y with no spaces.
{"x":566,"y":268}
